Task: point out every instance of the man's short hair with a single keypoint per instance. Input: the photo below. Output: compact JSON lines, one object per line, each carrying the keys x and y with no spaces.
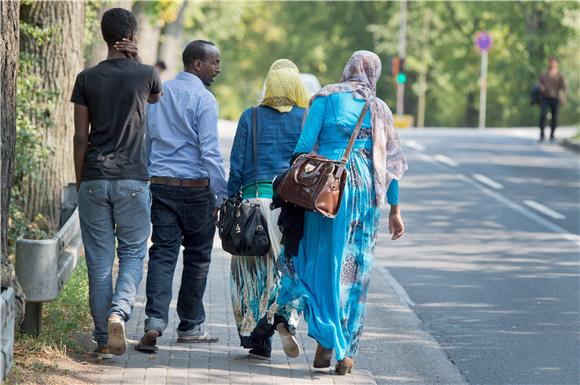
{"x":553,"y":58}
{"x":196,"y":50}
{"x":116,"y":24}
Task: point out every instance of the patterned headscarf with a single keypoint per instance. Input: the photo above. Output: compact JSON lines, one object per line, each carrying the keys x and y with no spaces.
{"x":284,"y":64}
{"x":284,"y":88}
{"x":360,"y":76}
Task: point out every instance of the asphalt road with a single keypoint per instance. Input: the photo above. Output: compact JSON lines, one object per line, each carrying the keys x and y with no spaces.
{"x":491,"y":255}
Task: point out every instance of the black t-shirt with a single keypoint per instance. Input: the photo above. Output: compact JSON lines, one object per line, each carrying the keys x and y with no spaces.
{"x":115,"y":92}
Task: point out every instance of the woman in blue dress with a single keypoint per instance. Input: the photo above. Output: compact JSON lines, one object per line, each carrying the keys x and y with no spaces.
{"x":330,"y":275}
{"x":255,"y":281}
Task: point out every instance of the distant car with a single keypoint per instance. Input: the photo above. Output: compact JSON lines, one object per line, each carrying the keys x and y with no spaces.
{"x":310,"y":82}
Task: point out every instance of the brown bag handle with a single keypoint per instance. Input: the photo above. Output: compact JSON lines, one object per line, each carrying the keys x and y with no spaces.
{"x":352,"y":139}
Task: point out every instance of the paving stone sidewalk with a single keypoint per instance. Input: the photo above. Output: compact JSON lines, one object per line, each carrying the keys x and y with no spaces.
{"x":224,"y":362}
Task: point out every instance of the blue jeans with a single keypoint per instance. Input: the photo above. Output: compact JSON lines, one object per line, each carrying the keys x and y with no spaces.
{"x":113,"y":211}
{"x":180,"y":216}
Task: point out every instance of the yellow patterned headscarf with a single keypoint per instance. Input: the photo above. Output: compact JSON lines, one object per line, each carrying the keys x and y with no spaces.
{"x":284,"y":88}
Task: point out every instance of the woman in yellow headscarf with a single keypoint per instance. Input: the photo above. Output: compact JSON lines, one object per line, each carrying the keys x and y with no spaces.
{"x":284,"y":88}
{"x":255,"y":281}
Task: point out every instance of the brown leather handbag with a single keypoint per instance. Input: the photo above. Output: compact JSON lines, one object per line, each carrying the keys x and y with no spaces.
{"x":316,"y":183}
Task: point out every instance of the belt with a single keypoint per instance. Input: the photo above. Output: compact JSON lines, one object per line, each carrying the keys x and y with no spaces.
{"x":179,"y":182}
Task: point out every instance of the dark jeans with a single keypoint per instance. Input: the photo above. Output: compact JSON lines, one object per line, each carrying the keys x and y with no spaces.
{"x":552,"y":104}
{"x":180,"y":216}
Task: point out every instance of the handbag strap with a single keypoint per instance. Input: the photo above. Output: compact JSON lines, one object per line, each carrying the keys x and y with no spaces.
{"x":352,"y":139}
{"x":255,"y":143}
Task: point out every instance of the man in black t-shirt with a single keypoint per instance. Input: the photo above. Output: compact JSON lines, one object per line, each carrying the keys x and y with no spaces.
{"x":112,"y":178}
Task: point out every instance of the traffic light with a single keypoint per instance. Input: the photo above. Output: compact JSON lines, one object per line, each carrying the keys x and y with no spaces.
{"x":395,"y":68}
{"x":402,"y":74}
{"x":398,"y":69}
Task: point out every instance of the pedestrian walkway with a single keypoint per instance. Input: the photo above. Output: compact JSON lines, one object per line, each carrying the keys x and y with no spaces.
{"x":224,"y":362}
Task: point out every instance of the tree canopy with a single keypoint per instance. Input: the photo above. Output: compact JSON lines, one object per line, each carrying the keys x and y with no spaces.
{"x":320,"y":36}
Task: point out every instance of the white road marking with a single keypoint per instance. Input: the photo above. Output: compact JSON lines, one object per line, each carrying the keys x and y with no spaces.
{"x":414,"y":145}
{"x":487,"y":181}
{"x":426,"y":158}
{"x":403,"y":296}
{"x":523,"y":210}
{"x":445,"y":160}
{"x":544,"y":210}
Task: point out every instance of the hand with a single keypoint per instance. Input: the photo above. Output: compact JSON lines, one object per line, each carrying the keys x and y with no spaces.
{"x":396,"y":226}
{"x":129,"y":48}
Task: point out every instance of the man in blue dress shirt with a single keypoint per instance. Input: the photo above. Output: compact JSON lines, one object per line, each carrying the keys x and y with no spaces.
{"x":187,"y":184}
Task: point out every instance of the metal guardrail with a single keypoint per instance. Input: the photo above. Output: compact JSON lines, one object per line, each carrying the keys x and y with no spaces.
{"x":44,"y":266}
{"x":7,"y":317}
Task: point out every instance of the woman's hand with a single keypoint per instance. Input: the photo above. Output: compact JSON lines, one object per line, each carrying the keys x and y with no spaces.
{"x":396,"y":226}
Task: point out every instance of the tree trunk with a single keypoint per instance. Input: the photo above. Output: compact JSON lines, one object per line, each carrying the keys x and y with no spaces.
{"x":171,"y":44}
{"x":57,"y":60}
{"x":471,"y":113}
{"x":535,"y":28}
{"x":9,"y":19}
{"x":422,"y":98}
{"x":148,"y":32}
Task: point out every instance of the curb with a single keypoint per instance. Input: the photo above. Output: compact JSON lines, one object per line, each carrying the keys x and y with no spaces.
{"x":570,"y":145}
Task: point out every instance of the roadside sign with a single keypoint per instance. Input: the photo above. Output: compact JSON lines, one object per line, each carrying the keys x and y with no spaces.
{"x":483,"y":41}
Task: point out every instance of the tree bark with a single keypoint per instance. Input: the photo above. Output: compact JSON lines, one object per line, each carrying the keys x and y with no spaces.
{"x":9,"y":21}
{"x":171,"y":44}
{"x":57,"y":60}
{"x":148,"y":33}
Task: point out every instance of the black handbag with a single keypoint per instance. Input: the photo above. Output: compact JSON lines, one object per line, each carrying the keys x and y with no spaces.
{"x":242,"y":226}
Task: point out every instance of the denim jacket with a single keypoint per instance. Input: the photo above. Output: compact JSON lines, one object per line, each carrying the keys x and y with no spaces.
{"x":277,"y":135}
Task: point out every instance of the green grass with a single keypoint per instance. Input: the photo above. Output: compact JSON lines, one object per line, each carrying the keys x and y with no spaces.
{"x":66,"y":318}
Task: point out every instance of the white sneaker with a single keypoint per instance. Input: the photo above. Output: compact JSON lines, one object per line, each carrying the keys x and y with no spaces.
{"x":289,"y":343}
{"x":117,"y":340}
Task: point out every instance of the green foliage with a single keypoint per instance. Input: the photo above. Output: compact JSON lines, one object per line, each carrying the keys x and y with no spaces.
{"x":320,"y":36}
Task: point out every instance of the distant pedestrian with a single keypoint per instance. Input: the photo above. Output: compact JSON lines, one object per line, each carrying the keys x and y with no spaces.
{"x":255,"y":280}
{"x":330,"y":273}
{"x":187,"y":173}
{"x":553,"y":95}
{"x":110,"y":156}
{"x":160,"y":66}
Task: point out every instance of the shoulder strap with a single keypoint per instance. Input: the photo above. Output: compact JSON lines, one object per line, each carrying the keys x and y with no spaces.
{"x":355,"y":132}
{"x":353,"y":137}
{"x":255,"y":143}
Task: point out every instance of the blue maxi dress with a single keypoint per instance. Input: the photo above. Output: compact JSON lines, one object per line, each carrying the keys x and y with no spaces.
{"x":329,"y":277}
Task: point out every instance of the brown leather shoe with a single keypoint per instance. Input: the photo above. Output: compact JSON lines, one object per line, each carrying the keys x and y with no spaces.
{"x":148,"y":343}
{"x":344,"y":366}
{"x":322,"y":357}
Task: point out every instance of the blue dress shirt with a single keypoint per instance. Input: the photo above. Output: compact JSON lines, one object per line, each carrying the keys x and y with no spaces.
{"x":183,"y":134}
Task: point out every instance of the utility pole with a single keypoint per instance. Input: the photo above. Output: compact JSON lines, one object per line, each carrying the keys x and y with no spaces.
{"x":483,"y":43}
{"x":402,"y":54}
{"x":483,"y":90}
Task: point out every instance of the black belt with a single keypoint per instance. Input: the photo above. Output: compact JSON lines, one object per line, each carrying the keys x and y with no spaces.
{"x":179,"y":182}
